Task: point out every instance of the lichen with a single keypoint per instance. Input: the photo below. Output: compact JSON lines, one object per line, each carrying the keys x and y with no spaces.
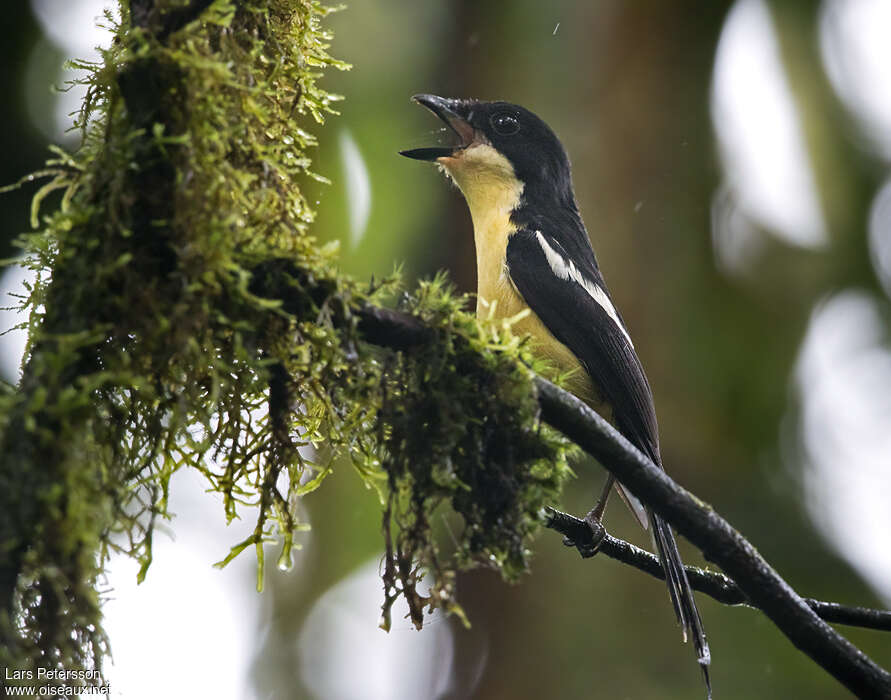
{"x":183,"y":317}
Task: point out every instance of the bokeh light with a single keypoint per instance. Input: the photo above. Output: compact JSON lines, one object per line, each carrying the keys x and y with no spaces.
{"x":765,"y":160}
{"x":403,"y":664}
{"x":843,"y":375}
{"x":854,"y":44}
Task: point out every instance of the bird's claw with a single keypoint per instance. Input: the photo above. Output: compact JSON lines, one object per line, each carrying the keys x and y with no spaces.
{"x":589,"y":543}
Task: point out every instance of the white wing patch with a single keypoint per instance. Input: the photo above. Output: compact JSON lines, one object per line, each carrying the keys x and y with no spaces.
{"x":566,"y":270}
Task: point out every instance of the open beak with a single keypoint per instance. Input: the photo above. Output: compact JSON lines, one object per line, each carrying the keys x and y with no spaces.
{"x":443,"y":108}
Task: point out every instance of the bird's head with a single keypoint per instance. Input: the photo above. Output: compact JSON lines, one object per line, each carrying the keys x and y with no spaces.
{"x":500,"y":144}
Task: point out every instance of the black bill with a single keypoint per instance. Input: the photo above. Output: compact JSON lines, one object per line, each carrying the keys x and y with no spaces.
{"x":445,"y":109}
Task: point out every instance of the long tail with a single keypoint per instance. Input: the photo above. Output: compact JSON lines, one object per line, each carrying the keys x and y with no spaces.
{"x":680,"y":591}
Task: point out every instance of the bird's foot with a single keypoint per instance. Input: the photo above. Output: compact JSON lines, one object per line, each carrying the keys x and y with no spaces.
{"x":596,"y":532}
{"x":590,"y":530}
{"x":586,"y":535}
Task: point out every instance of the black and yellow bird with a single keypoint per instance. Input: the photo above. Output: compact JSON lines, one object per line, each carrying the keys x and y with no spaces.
{"x":533,"y":252}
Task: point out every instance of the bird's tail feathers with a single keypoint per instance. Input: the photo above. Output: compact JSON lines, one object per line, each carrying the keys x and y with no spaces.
{"x":638,"y":509}
{"x":681,"y":593}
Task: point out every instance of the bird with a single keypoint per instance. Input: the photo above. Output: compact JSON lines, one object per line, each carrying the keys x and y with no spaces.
{"x":534,"y":255}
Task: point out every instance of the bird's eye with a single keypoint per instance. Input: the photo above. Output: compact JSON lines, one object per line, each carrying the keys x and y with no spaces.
{"x":505,"y":124}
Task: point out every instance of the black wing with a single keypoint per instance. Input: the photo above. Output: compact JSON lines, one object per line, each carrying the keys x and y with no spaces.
{"x":570,"y":298}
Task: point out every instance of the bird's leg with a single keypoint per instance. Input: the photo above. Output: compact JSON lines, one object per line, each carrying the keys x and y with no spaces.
{"x":595,"y":516}
{"x":589,"y":543}
{"x":596,"y":513}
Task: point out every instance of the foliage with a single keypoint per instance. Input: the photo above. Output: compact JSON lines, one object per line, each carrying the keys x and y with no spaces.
{"x":157,"y":343}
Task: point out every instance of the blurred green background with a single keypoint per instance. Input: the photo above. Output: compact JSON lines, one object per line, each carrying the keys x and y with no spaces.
{"x":731,"y":163}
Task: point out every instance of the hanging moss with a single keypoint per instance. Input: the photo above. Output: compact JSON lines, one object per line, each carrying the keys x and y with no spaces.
{"x":185,"y":318}
{"x":458,"y":428}
{"x":148,"y":353}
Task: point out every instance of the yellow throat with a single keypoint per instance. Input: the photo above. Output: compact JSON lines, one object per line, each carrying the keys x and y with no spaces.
{"x":489,"y":184}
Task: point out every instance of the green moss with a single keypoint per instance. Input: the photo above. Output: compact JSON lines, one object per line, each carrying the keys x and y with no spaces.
{"x":458,"y":428}
{"x":184,"y":318}
{"x":148,"y":352}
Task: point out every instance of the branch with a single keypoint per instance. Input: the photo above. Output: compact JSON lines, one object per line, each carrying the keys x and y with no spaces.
{"x":163,"y":21}
{"x":719,"y":542}
{"x":720,"y":587}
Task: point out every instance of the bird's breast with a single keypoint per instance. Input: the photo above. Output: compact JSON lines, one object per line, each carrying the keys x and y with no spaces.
{"x":493,"y":192}
{"x":498,"y":298}
{"x":501,"y":300}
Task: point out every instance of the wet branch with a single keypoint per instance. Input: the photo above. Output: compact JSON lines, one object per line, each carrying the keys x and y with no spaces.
{"x":757,"y":581}
{"x":714,"y":584}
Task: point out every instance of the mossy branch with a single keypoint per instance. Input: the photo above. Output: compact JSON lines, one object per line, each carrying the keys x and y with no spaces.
{"x":156,"y":343}
{"x":752,"y":575}
{"x":147,"y":353}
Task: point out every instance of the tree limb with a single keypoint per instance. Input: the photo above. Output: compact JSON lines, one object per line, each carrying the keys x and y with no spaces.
{"x":719,"y":542}
{"x":716,"y":585}
{"x":162,"y":21}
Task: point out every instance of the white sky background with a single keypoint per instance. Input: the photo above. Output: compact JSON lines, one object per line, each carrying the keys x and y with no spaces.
{"x":196,"y":627}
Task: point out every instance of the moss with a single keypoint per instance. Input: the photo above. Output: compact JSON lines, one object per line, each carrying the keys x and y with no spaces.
{"x":185,"y":318}
{"x":458,"y":427}
{"x":148,"y":353}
